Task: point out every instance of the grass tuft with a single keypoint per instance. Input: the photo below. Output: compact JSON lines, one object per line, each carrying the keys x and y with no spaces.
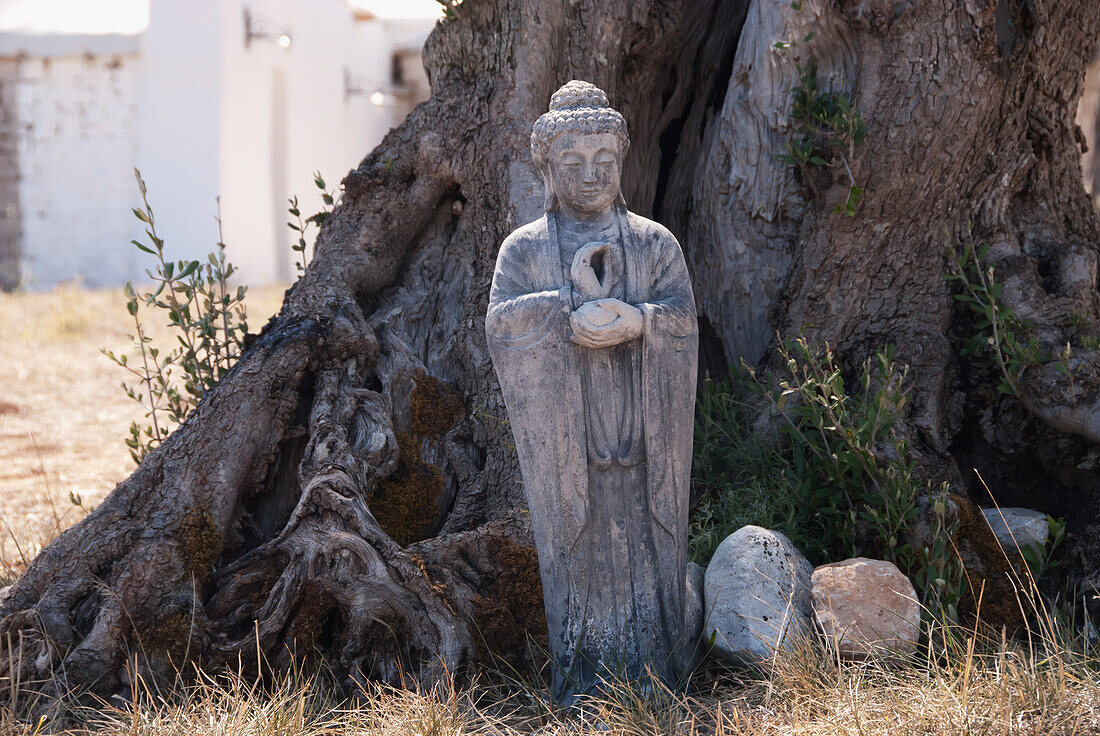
{"x":1047,"y":683}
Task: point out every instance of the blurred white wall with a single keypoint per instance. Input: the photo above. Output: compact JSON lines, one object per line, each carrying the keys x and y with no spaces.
{"x":75,"y":144}
{"x":287,"y":112}
{"x":204,"y":109}
{"x":178,"y":128}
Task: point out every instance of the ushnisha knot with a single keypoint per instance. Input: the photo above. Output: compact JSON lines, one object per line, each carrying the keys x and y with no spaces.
{"x":577,"y":107}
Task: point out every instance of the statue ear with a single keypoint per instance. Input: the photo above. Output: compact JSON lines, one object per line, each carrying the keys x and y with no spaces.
{"x":550,"y":197}
{"x":622,"y":159}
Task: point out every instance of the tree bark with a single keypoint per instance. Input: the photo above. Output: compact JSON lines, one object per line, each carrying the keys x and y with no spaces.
{"x":351,"y":486}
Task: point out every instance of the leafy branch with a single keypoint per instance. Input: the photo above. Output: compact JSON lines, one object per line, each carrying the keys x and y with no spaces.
{"x":208,"y":319}
{"x":301,"y":226}
{"x":855,"y":470}
{"x":828,"y":129}
{"x":999,"y":329}
{"x":450,"y":8}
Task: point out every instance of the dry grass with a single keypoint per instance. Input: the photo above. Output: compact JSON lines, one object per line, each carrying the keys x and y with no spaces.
{"x":62,"y":422}
{"x":63,"y":417}
{"x":974,"y":688}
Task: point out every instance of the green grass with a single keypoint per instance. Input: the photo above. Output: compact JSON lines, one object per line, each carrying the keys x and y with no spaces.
{"x":739,"y":477}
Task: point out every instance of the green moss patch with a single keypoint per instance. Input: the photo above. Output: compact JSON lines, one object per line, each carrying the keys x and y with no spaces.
{"x":512,"y":608}
{"x":199,"y":541}
{"x":309,"y":622}
{"x":435,"y":408}
{"x":406,"y":504}
{"x":168,"y":635}
{"x":989,"y":573}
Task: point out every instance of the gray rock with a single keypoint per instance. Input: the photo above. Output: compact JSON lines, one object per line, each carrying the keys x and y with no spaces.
{"x":866,"y":608}
{"x":693,"y":602}
{"x":757,"y":596}
{"x":1028,"y":528}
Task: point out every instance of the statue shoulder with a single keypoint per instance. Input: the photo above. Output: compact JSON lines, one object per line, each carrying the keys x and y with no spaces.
{"x":529,"y":233}
{"x":662,"y":250}
{"x":521,"y":241}
{"x":650,"y":230}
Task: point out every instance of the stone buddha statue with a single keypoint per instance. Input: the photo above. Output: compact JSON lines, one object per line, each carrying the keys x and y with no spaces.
{"x":593,"y":334}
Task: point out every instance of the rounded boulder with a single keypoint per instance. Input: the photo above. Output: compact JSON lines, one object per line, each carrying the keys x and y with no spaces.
{"x":867,"y":608}
{"x":756,"y":596}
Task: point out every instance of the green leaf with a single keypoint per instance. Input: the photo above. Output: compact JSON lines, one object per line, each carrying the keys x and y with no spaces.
{"x":849,"y":206}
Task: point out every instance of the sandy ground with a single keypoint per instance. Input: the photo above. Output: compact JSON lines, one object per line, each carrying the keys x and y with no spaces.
{"x":63,"y":415}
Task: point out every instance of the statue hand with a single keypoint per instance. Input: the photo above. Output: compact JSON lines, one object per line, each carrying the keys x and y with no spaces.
{"x":629,"y":318}
{"x":586,"y":283}
{"x":606,"y":322}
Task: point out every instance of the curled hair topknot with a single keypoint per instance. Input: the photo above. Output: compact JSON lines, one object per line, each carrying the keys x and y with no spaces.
{"x":578,"y":94}
{"x":578,"y":107}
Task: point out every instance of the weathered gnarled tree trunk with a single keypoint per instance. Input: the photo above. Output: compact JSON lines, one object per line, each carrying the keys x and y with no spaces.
{"x":352,"y":486}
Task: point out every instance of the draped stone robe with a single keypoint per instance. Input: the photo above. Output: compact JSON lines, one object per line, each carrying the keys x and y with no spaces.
{"x":604,"y":440}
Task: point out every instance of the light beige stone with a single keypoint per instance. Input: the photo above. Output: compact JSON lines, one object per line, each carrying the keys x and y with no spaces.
{"x":867,"y":607}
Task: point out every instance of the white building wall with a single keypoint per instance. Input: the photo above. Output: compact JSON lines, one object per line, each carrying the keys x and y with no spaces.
{"x":286,"y":113}
{"x":202,"y":114}
{"x":248,"y":181}
{"x":76,"y":150}
{"x":371,"y":58}
{"x":333,"y":45}
{"x":178,"y":123}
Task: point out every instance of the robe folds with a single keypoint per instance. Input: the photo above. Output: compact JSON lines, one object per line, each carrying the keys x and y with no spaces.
{"x":542,"y":374}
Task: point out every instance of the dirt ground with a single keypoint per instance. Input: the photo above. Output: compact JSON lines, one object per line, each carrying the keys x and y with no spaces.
{"x":63,"y":416}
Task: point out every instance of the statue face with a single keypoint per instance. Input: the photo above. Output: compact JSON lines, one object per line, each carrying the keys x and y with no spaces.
{"x":584,"y":171}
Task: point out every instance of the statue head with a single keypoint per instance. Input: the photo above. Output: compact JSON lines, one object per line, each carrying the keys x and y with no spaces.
{"x":578,"y":146}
